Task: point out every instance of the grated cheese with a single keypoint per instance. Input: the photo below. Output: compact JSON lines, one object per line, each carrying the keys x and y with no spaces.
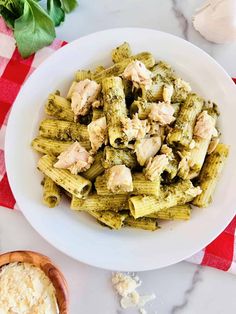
{"x":126,"y":286}
{"x":24,"y":288}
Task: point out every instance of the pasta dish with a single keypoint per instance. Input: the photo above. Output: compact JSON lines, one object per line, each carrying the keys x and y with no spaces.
{"x":130,"y":144}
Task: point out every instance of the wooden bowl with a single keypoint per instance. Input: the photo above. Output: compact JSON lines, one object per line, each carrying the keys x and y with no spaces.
{"x":46,"y":265}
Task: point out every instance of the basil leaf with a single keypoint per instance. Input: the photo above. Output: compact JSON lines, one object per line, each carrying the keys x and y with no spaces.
{"x":14,"y":6}
{"x":55,"y":11}
{"x":68,"y":5}
{"x":34,"y":29}
{"x":10,"y":10}
{"x":8,"y":17}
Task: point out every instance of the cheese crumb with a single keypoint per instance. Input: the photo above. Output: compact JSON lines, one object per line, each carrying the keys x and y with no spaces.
{"x":24,"y":288}
{"x":126,"y":286}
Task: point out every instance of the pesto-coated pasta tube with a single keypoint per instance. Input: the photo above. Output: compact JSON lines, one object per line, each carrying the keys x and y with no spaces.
{"x":197,"y":156}
{"x":171,"y":170}
{"x":96,"y":168}
{"x":110,"y":219}
{"x":118,"y":68}
{"x":97,"y":114}
{"x":115,"y":110}
{"x":97,"y":202}
{"x":74,"y":184}
{"x":63,"y":130}
{"x":176,"y":106}
{"x":51,"y":193}
{"x":101,"y":187}
{"x":142,"y":107}
{"x":97,"y":70}
{"x":199,"y":152}
{"x":140,"y":186}
{"x":144,"y":186}
{"x":48,"y":146}
{"x":59,"y":107}
{"x":155,"y":92}
{"x":176,"y":194}
{"x":113,"y":156}
{"x":163,"y":69}
{"x":82,"y":75}
{"x":144,"y":223}
{"x":182,"y":133}
{"x":130,"y":93}
{"x":181,"y":90}
{"x":70,"y":91}
{"x":179,"y":212}
{"x":210,"y":174}
{"x":121,"y":52}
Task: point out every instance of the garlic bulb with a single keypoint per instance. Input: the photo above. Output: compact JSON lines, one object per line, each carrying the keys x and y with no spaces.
{"x":216,"y":21}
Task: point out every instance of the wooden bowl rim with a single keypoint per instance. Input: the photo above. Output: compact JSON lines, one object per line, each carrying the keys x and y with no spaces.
{"x":39,"y":260}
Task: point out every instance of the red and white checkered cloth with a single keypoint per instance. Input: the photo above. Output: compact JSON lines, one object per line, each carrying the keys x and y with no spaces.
{"x":221,"y":253}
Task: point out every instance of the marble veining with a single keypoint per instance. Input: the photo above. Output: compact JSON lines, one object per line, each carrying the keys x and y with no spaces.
{"x":184,"y":24}
{"x":197,"y":278}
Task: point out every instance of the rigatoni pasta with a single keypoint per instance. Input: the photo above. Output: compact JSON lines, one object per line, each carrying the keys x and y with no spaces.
{"x":171,"y":195}
{"x":97,"y":114}
{"x":110,"y":219}
{"x":178,"y":212}
{"x":49,"y":146}
{"x":117,"y":69}
{"x":143,"y":108}
{"x":131,"y":144}
{"x":59,"y":107}
{"x":97,"y":202}
{"x":113,"y":156}
{"x":141,"y":185}
{"x":209,"y":175}
{"x":121,"y":52}
{"x":74,"y":184}
{"x":51,"y":193}
{"x":199,"y":151}
{"x":163,"y":69}
{"x":182,"y":134}
{"x":115,"y":110}
{"x":96,"y":169}
{"x":144,"y":223}
{"x":154,"y":92}
{"x":63,"y":130}
{"x":81,"y":75}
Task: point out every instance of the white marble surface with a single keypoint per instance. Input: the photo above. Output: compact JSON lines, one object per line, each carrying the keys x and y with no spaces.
{"x":180,"y":289}
{"x":183,"y":288}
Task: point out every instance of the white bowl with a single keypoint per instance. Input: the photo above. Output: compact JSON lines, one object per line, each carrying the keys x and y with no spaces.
{"x":78,"y":235}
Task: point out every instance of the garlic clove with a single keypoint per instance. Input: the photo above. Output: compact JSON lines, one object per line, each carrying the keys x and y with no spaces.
{"x":216,"y":21}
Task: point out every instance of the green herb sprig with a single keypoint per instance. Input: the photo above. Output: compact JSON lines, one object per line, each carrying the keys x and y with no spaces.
{"x":33,"y":26}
